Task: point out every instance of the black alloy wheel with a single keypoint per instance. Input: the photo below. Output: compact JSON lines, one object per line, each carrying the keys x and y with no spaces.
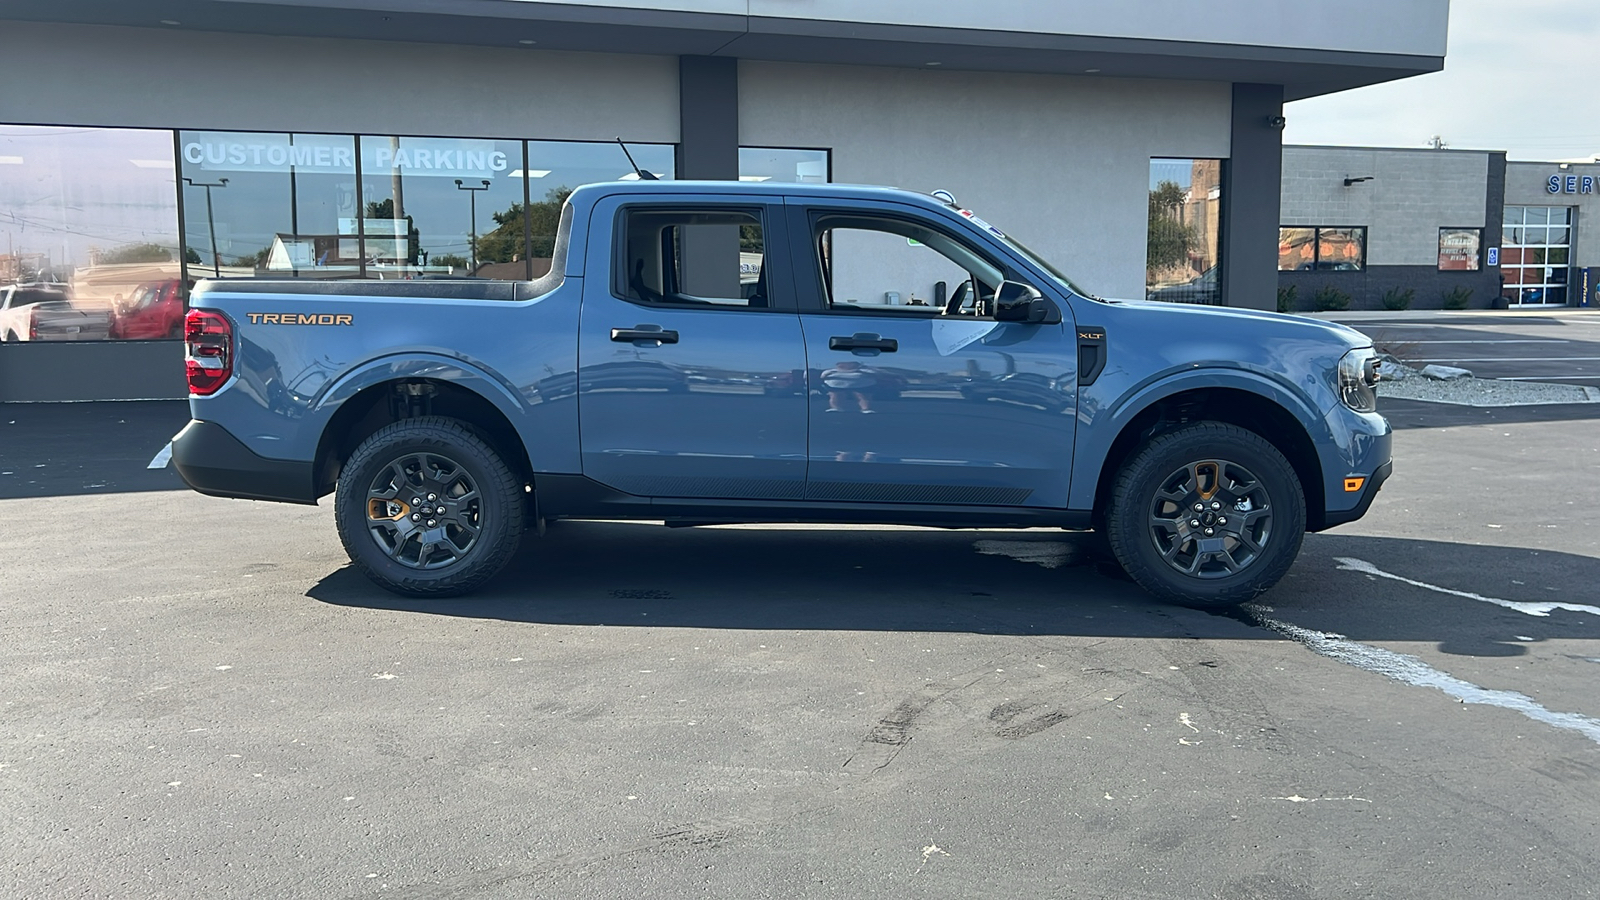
{"x":424,"y":510}
{"x":1207,"y":515}
{"x":425,"y":507}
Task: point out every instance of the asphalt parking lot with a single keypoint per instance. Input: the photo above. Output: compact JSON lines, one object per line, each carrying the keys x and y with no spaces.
{"x":1563,"y":348}
{"x":201,"y":698}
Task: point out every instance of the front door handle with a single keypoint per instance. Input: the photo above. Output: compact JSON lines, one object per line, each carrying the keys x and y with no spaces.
{"x":863,"y":341}
{"x":644,"y":333}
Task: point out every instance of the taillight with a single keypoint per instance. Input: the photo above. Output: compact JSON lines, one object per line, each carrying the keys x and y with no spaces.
{"x":33,"y":325}
{"x":207,"y":350}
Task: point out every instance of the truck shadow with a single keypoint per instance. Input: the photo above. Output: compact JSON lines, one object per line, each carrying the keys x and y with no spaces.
{"x":780,"y":578}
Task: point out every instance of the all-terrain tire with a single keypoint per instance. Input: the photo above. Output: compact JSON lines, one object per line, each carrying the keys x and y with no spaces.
{"x":1209,"y":515}
{"x":470,"y":509}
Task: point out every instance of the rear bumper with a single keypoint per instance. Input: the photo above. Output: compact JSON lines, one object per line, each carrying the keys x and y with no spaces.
{"x":1369,"y":491}
{"x":212,"y":461}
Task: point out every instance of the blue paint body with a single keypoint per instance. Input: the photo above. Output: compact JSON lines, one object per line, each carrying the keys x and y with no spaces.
{"x":751,"y":410}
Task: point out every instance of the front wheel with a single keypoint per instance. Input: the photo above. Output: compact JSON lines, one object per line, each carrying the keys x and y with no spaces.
{"x":426,"y":508}
{"x":1209,"y":515}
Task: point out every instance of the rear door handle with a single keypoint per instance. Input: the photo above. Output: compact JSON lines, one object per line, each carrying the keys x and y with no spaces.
{"x":863,"y":341}
{"x":644,"y":333}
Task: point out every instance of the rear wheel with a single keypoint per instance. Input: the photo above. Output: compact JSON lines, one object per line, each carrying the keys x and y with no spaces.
{"x":424,"y":507}
{"x":1209,"y":515}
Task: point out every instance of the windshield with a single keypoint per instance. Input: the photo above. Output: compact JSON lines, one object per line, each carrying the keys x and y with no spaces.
{"x":1024,"y":252}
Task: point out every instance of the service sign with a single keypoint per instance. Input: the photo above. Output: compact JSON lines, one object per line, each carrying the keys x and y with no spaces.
{"x":1570,"y":184}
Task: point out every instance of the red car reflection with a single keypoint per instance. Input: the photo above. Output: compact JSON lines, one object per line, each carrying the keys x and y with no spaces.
{"x":153,"y":312}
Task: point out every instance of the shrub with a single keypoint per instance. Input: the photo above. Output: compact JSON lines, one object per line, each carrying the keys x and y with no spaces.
{"x":1457,"y":297}
{"x":1329,"y":298}
{"x":1286,"y":298}
{"x":1394,"y":298}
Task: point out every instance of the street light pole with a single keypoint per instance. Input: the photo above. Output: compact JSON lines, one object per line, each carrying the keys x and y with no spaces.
{"x":211,"y":221}
{"x":472,"y":205}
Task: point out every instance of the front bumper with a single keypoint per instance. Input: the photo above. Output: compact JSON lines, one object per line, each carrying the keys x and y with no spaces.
{"x":1368,"y":492}
{"x":212,"y":461}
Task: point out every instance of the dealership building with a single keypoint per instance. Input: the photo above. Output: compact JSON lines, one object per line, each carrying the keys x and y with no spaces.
{"x":145,"y":144}
{"x":1389,"y":228}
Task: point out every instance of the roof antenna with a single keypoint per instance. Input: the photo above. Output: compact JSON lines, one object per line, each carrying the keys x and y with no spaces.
{"x":643,"y":175}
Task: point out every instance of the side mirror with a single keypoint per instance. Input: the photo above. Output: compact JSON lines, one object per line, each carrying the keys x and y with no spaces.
{"x":1018,"y":302}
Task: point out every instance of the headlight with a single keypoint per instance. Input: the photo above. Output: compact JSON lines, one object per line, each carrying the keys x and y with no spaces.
{"x":1358,"y":379}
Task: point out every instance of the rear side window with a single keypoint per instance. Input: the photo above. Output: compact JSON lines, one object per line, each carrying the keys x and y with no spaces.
{"x":693,"y":257}
{"x":27,"y":297}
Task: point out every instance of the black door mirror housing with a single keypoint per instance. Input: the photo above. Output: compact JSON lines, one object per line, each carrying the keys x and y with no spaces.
{"x":1018,"y":302}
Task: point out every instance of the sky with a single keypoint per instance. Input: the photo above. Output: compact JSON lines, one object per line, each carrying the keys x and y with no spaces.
{"x":1521,"y":76}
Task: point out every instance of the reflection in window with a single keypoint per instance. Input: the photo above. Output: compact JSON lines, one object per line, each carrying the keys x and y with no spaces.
{"x":1342,"y":249}
{"x":89,"y":217}
{"x":1458,"y":249}
{"x":1182,"y":250}
{"x":782,"y":165}
{"x":556,"y":167}
{"x":268,"y":204}
{"x":439,"y":206}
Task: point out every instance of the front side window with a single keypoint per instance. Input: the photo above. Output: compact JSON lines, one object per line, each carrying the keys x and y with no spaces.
{"x":1322,"y":249}
{"x":878,"y":265}
{"x":694,"y":257}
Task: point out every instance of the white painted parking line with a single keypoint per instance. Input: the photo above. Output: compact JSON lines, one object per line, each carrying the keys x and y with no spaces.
{"x":1349,"y":564}
{"x":1411,"y":670}
{"x":161,"y":458}
{"x":1513,"y":359}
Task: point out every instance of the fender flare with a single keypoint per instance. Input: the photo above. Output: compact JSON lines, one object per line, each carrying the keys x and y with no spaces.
{"x":1096,"y":437}
{"x":432,"y":366}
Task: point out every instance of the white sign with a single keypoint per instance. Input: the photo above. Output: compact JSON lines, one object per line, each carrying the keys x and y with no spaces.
{"x":335,"y":154}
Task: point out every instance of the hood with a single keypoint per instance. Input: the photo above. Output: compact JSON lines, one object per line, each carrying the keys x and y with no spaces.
{"x":1259,"y":322}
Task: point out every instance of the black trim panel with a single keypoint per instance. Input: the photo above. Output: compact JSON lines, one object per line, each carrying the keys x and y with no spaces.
{"x":1332,"y":518}
{"x":579,"y":497}
{"x":212,"y":461}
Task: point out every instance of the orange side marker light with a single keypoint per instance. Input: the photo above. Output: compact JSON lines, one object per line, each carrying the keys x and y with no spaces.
{"x":1351,"y":485}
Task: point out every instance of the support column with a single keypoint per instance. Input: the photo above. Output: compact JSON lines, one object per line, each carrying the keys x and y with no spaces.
{"x":1252,"y":179}
{"x":708,"y":150}
{"x":708,"y":118}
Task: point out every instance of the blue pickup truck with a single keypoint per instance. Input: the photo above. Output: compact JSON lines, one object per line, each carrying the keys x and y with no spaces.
{"x":707,"y":353}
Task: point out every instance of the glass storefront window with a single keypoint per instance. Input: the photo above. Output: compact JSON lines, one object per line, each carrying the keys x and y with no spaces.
{"x":88,"y":220}
{"x":784,"y":165}
{"x":556,"y":167}
{"x":439,"y":206}
{"x":1182,"y":253}
{"x":1303,"y":249}
{"x":268,"y":204}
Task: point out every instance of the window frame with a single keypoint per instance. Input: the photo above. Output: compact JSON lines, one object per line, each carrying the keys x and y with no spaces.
{"x":779,"y":300}
{"x":1316,"y":246}
{"x":814,"y":291}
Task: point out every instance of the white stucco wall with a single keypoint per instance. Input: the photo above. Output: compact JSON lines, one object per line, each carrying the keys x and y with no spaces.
{"x":1062,"y":163}
{"x":1412,"y":194}
{"x":146,"y":77}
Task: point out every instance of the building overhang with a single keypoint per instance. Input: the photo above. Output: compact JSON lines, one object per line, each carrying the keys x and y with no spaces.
{"x":708,"y":28}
